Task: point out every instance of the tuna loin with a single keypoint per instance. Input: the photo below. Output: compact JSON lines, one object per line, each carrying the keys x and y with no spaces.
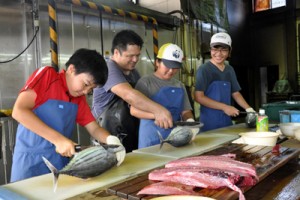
{"x":222,"y":163}
{"x":210,"y":179}
{"x":168,"y":188}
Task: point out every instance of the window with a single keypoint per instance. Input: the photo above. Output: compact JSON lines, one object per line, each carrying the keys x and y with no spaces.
{"x":261,"y":5}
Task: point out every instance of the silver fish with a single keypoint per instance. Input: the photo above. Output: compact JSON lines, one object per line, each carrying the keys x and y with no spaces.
{"x":89,"y":162}
{"x":179,"y":136}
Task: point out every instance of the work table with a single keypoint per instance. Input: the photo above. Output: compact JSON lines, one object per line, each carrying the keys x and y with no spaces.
{"x":143,"y":160}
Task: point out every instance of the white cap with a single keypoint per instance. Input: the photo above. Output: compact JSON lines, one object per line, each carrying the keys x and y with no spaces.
{"x":220,"y":39}
{"x":262,"y":111}
{"x":171,"y":55}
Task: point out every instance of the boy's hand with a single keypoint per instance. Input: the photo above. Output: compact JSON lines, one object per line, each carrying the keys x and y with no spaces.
{"x":120,"y":154}
{"x":65,"y":147}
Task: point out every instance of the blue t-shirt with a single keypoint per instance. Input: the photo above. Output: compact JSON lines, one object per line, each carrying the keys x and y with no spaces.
{"x":208,"y":72}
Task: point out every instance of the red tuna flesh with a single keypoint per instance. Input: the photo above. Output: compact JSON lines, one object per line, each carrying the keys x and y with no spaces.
{"x":209,"y":179}
{"x":168,"y":188}
{"x":222,"y":163}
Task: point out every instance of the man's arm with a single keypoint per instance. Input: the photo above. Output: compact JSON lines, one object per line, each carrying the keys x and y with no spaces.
{"x":163,"y":117}
{"x":140,"y":113}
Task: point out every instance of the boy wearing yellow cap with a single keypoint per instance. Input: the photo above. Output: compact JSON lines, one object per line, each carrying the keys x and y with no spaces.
{"x":162,"y":88}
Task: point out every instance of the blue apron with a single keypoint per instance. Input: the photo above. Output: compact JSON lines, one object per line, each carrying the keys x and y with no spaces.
{"x":30,"y":147}
{"x":211,"y":118}
{"x":171,"y":98}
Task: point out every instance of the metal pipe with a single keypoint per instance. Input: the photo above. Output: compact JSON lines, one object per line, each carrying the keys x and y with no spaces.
{"x":4,"y":157}
{"x":120,"y":12}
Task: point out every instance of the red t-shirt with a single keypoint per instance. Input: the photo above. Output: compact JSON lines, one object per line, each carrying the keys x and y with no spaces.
{"x":48,"y":84}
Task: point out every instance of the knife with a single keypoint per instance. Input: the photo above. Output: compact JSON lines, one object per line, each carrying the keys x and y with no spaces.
{"x":244,"y":112}
{"x":187,"y":124}
{"x":78,"y":148}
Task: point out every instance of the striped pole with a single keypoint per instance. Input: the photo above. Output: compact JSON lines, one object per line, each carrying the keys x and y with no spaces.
{"x":122,"y":13}
{"x":53,"y":34}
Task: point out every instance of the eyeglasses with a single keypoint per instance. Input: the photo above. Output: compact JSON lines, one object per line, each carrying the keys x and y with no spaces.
{"x":220,"y":50}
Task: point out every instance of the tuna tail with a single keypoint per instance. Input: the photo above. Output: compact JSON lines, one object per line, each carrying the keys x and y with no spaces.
{"x":54,"y":171}
{"x":161,"y":139}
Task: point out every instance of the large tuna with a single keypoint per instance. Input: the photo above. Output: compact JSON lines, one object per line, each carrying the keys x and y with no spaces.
{"x":87,"y":163}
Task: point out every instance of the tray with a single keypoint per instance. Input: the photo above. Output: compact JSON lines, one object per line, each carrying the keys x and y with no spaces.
{"x":260,"y":156}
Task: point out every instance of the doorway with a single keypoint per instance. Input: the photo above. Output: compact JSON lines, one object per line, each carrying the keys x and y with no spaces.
{"x":268,"y":77}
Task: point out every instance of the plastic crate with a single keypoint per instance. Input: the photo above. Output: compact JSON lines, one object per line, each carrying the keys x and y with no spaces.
{"x":273,"y":109}
{"x":287,"y":116}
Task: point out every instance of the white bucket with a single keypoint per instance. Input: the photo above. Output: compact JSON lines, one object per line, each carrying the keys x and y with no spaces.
{"x":260,"y":138}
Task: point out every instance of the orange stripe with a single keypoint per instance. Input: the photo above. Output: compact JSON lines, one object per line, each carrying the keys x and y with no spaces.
{"x":76,"y":2}
{"x":54,"y":57}
{"x":121,"y":12}
{"x":154,"y":21}
{"x":145,"y":18}
{"x":51,"y":12}
{"x":107,"y":9}
{"x":92,"y":5}
{"x":133,"y":15}
{"x":53,"y":34}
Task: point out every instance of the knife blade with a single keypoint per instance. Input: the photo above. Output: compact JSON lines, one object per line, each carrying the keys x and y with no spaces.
{"x":244,"y":112}
{"x":188,"y":124}
{"x":78,"y":148}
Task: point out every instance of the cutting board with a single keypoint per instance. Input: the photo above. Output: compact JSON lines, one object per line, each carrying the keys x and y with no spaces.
{"x":261,"y":157}
{"x":41,"y":187}
{"x":202,"y":143}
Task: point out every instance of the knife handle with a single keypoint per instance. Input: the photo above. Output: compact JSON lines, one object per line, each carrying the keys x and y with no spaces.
{"x":77,"y":148}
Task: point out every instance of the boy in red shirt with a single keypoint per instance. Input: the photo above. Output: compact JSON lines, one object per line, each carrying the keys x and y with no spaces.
{"x":48,"y":108}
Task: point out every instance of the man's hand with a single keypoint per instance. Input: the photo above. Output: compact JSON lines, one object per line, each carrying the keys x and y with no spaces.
{"x":194,"y":130}
{"x":120,"y":154}
{"x":163,"y":118}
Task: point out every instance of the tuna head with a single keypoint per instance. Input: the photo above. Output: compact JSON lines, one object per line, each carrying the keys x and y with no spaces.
{"x":89,"y":162}
{"x":179,"y":136}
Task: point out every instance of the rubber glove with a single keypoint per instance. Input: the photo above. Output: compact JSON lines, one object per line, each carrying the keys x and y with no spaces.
{"x":250,"y":110}
{"x":194,"y":130}
{"x":120,"y":154}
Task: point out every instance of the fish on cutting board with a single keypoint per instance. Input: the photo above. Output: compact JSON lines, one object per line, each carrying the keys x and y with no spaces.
{"x":178,"y":137}
{"x":88,"y":163}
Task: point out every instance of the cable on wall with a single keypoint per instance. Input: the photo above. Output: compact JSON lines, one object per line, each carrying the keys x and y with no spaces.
{"x":34,"y":37}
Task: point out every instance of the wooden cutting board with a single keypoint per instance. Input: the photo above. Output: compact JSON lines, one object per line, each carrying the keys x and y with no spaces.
{"x":260,"y":156}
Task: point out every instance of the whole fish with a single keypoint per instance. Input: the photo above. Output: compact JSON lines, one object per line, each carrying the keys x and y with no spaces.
{"x":89,"y":162}
{"x":179,"y":136}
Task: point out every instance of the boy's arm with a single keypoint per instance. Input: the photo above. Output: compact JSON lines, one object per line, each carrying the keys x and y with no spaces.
{"x":239,"y":99}
{"x":22,"y":112}
{"x":140,"y":113}
{"x":208,"y":102}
